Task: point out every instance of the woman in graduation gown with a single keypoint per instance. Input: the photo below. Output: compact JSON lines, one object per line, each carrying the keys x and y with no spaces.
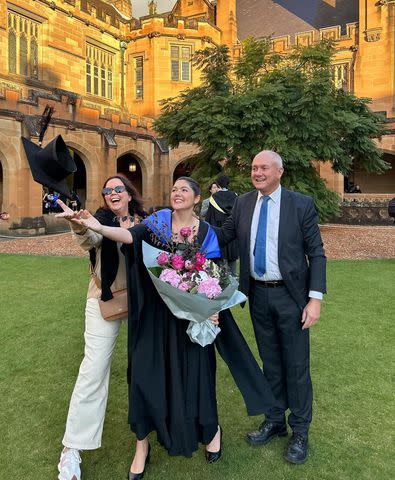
{"x":171,"y":379}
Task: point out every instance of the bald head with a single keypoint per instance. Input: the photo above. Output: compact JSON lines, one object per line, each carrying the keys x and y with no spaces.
{"x":266,"y":171}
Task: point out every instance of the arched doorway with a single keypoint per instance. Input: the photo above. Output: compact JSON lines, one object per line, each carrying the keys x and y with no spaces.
{"x":129,"y":166}
{"x":372,"y":183}
{"x":78,"y":178}
{"x":76,"y":183}
{"x":181,"y":170}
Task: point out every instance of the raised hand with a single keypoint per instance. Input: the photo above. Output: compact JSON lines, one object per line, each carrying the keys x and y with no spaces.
{"x":87,"y":220}
{"x":67,"y":213}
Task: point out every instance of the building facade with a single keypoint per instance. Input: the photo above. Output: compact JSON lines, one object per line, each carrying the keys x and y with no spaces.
{"x":364,"y":63}
{"x":105,"y":72}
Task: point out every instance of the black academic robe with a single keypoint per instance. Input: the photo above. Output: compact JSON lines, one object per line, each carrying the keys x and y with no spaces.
{"x":225,"y":200}
{"x":171,"y":379}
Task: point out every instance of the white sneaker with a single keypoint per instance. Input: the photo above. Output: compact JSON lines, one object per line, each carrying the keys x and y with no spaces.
{"x":69,"y":465}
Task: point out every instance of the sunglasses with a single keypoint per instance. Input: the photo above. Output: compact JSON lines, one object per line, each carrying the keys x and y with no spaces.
{"x":117,"y":189}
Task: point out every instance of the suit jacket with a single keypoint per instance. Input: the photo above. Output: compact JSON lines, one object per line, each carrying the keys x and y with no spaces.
{"x":301,"y":255}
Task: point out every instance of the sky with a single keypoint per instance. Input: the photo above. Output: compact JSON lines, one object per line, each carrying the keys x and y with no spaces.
{"x":140,"y":7}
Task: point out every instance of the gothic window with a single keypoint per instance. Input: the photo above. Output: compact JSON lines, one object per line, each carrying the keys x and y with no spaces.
{"x":180,"y":63}
{"x":138,"y":78}
{"x":12,"y":51}
{"x":23,"y":64}
{"x":23,"y":46}
{"x":99,"y":71}
{"x":34,"y":58}
{"x":103,"y":78}
{"x":341,"y":76}
{"x":95,"y":79}
{"x":88,"y":76}
{"x":109,"y":84}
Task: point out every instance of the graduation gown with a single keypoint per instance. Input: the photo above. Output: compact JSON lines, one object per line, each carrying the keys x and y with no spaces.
{"x":225,"y":200}
{"x":171,"y":380}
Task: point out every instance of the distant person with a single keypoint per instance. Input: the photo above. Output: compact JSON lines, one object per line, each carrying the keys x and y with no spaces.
{"x":220,"y":207}
{"x":213,"y":188}
{"x":46,"y":201}
{"x":75,"y":202}
{"x":355,"y":189}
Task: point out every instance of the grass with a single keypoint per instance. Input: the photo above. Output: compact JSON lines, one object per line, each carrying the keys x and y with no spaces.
{"x":42,"y":304}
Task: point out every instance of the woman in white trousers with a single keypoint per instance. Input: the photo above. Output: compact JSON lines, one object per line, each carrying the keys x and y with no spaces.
{"x":85,"y":419}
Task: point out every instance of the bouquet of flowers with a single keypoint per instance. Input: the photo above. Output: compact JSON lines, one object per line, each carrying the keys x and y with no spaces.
{"x":192,"y":285}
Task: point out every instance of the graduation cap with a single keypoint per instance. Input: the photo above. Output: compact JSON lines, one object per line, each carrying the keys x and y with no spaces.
{"x":52,"y":164}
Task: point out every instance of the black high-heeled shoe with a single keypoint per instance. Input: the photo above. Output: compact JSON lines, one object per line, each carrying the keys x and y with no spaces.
{"x":212,"y":457}
{"x":139,"y":476}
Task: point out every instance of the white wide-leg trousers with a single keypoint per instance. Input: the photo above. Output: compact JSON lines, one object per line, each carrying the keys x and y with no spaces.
{"x":84,"y":426}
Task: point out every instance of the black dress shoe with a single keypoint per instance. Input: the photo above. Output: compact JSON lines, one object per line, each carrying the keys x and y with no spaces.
{"x":212,"y":457}
{"x":297,"y":449}
{"x":138,"y":476}
{"x":266,"y":432}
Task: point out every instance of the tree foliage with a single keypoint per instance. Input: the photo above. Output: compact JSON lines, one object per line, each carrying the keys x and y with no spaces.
{"x":287,"y":103}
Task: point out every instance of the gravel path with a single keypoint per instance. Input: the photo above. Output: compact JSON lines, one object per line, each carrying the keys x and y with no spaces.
{"x":341,"y":242}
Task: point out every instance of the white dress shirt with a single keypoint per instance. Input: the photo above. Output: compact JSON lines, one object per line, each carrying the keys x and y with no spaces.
{"x":273,"y":221}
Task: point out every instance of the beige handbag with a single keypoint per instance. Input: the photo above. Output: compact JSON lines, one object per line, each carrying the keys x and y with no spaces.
{"x":115,"y":308}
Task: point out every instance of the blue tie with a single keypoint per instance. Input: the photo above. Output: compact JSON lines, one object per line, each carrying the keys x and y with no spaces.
{"x":260,"y":242}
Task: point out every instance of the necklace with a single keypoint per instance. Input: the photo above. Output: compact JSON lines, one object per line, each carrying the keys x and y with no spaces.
{"x":124,"y":218}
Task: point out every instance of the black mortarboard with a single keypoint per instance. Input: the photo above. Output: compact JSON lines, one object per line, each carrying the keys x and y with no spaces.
{"x":51,"y":165}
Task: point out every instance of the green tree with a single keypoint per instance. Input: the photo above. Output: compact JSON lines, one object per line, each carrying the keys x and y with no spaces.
{"x":287,"y":103}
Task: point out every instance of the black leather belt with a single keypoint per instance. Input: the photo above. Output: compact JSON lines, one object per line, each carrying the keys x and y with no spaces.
{"x":269,"y":283}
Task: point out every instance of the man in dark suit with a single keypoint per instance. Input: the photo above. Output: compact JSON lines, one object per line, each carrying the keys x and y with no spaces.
{"x":283,"y":271}
{"x":219,"y":209}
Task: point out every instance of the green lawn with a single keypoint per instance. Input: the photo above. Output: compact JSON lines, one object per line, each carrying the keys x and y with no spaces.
{"x":42,"y":302}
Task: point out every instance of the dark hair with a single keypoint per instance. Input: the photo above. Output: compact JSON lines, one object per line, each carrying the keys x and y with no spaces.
{"x":211,"y":186}
{"x":192,"y":183}
{"x":223,"y":181}
{"x":136,"y":203}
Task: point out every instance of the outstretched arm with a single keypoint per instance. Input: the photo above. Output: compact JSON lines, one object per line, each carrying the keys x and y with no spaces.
{"x":113,"y":233}
{"x":86,"y":220}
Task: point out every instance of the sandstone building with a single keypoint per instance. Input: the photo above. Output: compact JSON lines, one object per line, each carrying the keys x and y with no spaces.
{"x":105,"y":71}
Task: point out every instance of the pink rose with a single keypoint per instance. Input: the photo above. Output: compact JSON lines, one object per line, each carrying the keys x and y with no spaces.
{"x":163,"y":259}
{"x":189,"y":265}
{"x":185,"y":232}
{"x":200,"y":259}
{"x":177,"y":262}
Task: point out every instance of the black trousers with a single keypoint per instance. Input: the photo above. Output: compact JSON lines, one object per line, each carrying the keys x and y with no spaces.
{"x":285,"y":352}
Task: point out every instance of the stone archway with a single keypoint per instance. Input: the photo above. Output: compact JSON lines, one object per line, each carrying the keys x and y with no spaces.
{"x":373,"y":183}
{"x":182,"y":170}
{"x":129,"y":165}
{"x":77,"y":181}
{"x":88,"y":177}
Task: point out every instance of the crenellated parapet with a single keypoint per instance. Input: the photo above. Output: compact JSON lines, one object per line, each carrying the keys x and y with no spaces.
{"x":346,"y":40}
{"x":173,"y":26}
